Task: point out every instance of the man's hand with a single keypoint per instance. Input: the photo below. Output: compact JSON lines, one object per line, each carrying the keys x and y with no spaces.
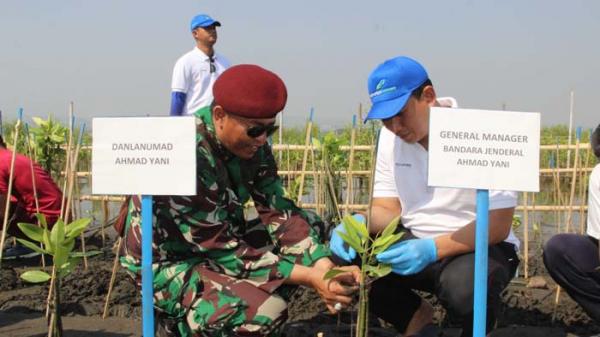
{"x":338,"y":289}
{"x":410,"y":256}
{"x":337,"y":244}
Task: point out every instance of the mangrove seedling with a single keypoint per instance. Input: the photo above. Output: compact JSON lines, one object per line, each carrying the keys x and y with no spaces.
{"x":59,"y":243}
{"x":357,"y":236}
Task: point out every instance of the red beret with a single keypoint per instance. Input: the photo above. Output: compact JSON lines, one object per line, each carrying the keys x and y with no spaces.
{"x":250,"y":91}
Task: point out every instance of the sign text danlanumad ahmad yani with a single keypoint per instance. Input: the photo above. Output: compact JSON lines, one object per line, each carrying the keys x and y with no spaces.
{"x":125,"y":160}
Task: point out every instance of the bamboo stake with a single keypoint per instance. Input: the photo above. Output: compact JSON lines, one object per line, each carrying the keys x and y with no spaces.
{"x":556,"y":193}
{"x":573,"y":182}
{"x":65,"y":216}
{"x":112,"y":278}
{"x":315,"y":177}
{"x":525,"y":236}
{"x":583,"y":190}
{"x":289,"y":177}
{"x":561,"y":200}
{"x":67,"y":160}
{"x":104,"y":222}
{"x":280,"y":132}
{"x":332,"y":191}
{"x":71,"y":178}
{"x":305,"y":157}
{"x":349,"y":181}
{"x":33,"y":184}
{"x":569,"y":212}
{"x":363,"y":322}
{"x":11,"y":174}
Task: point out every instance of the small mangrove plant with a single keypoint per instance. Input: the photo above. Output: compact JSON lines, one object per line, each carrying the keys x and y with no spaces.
{"x":367,"y":246}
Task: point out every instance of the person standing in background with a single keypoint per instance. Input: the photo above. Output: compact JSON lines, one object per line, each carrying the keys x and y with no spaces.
{"x":196,"y":71}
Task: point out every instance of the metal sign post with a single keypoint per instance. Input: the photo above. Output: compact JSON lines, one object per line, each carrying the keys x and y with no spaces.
{"x":483,"y":150}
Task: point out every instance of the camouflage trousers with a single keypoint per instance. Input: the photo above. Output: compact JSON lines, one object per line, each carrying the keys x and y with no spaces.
{"x":200,"y":302}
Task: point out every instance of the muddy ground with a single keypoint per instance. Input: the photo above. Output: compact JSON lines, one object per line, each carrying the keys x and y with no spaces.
{"x":527,"y":312}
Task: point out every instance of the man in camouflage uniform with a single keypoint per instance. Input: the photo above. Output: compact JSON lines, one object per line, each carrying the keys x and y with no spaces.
{"x":226,"y":259}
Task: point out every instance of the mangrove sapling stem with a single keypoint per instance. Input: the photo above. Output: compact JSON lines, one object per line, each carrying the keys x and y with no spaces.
{"x":50,"y":291}
{"x":113,"y":276}
{"x":10,"y":185}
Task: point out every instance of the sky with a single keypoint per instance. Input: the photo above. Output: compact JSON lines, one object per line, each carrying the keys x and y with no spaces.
{"x":115,"y":57}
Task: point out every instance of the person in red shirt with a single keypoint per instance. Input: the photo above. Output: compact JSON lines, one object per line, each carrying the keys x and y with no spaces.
{"x":22,"y":195}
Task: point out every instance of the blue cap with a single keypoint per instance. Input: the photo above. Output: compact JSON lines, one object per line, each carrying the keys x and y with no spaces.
{"x":391,"y":84}
{"x":203,"y":20}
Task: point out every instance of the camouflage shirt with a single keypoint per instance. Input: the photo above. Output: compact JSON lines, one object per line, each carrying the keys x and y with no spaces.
{"x":233,"y":225}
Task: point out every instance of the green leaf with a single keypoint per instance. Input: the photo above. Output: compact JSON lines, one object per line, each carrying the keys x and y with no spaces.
{"x":316,"y":143}
{"x":32,"y":231}
{"x":333,"y":273}
{"x":68,"y":246}
{"x":41,"y":220}
{"x":394,"y":239}
{"x":35,"y":276}
{"x":38,"y":121}
{"x":33,"y":246}
{"x":86,"y":254}
{"x":382,"y":240}
{"x":391,"y":227}
{"x":350,"y":241}
{"x":47,"y":243}
{"x":56,"y":138}
{"x":379,"y":270}
{"x":351,"y":231}
{"x":360,"y":227}
{"x":75,"y":228}
{"x":57,"y":235}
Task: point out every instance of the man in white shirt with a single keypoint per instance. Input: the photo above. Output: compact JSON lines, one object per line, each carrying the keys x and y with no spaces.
{"x":436,"y":253}
{"x":573,"y":260}
{"x":196,"y":71}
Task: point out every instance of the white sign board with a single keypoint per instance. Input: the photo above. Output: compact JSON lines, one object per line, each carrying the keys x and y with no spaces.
{"x":144,"y":155}
{"x":482,"y":149}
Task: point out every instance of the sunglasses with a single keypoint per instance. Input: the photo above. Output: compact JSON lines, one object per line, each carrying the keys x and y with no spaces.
{"x":258,"y":130}
{"x":213,"y":68}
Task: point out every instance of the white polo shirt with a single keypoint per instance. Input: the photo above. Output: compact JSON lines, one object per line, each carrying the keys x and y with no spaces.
{"x":192,"y":76}
{"x":401,"y":171}
{"x":593,"y":218}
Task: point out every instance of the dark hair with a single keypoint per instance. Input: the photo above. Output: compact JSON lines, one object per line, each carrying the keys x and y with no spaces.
{"x":595,"y":142}
{"x":419,"y":91}
{"x":2,"y":143}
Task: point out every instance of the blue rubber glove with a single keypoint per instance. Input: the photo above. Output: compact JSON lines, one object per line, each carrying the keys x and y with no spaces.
{"x":337,"y":244}
{"x":410,"y":256}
